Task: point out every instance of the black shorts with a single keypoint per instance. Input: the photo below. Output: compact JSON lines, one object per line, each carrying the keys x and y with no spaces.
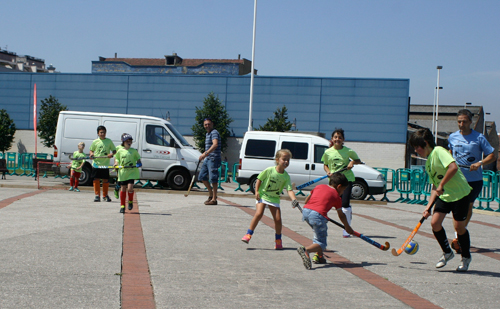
{"x":100,"y":173}
{"x":477,"y":186}
{"x":459,"y":208}
{"x":126,"y":182}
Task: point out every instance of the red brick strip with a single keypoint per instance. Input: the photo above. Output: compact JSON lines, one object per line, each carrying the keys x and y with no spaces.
{"x":136,"y":288}
{"x":8,"y":201}
{"x":486,"y":252}
{"x":379,"y":282}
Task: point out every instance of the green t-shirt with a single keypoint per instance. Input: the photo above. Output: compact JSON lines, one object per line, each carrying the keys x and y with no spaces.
{"x":272,"y":184}
{"x":102,"y":147}
{"x":128,"y":157}
{"x":77,"y":163}
{"x":339,"y":159}
{"x":436,"y":166}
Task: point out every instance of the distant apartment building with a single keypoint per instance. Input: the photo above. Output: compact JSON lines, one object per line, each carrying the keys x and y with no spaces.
{"x":172,"y":65}
{"x":12,"y":62}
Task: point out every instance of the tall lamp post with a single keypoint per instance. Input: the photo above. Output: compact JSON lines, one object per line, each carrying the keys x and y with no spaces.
{"x":467,"y":104}
{"x":437,"y":104}
{"x":253,"y":64}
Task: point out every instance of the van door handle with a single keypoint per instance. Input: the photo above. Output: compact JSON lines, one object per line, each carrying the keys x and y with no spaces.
{"x":313,"y":167}
{"x":307,"y":167}
{"x":146,"y":150}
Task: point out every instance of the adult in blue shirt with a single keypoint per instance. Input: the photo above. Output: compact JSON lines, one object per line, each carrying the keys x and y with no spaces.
{"x":467,"y":147}
{"x":209,"y":173}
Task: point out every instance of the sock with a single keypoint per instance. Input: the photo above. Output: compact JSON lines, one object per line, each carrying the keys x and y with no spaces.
{"x":131,"y":196}
{"x":71,"y":181}
{"x":464,"y":241}
{"x":249,"y":231}
{"x":105,"y":187}
{"x":77,"y":181}
{"x":443,"y":240}
{"x":278,"y":236}
{"x":123,"y":197}
{"x":97,"y":187}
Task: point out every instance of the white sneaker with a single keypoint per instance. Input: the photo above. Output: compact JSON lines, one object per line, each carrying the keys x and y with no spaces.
{"x":464,"y":264}
{"x":444,"y":259}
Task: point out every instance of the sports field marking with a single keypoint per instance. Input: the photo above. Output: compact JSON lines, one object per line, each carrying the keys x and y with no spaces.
{"x":394,"y":290}
{"x":483,"y":251}
{"x":10,"y":200}
{"x":136,"y":288}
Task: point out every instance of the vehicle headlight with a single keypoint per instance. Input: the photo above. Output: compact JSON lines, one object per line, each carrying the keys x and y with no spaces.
{"x":380,"y":177}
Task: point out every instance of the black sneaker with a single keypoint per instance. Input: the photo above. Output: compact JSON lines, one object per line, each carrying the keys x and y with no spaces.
{"x":106,"y":198}
{"x":122,"y":209}
{"x":130,"y":205}
{"x":97,"y":198}
{"x":316,"y":259}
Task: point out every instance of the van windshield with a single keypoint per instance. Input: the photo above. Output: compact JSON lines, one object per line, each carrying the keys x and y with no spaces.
{"x":177,"y":135}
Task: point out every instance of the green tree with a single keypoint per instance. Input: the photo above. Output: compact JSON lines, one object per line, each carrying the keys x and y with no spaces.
{"x":7,"y":131}
{"x":47,"y":120}
{"x":214,"y":109}
{"x":279,"y":123}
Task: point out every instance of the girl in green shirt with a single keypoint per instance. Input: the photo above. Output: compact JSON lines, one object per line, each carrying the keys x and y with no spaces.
{"x":268,"y":187}
{"x":76,"y":168}
{"x":450,"y":191}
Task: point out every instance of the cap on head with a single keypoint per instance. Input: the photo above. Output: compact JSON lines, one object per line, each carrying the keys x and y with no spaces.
{"x":126,"y":137}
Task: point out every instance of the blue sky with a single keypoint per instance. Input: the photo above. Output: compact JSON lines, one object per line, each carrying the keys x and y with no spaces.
{"x":323,"y":38}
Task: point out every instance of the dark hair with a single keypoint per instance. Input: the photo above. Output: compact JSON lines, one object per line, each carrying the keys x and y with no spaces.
{"x":208,"y":118}
{"x":339,"y":131}
{"x":338,"y":179}
{"x":99,"y":128}
{"x":465,"y":112}
{"x":419,"y":137}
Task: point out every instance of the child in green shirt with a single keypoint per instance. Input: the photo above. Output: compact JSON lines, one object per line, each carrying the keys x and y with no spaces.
{"x":268,"y":187}
{"x":450,"y":191}
{"x":130,"y":159}
{"x":76,"y":167}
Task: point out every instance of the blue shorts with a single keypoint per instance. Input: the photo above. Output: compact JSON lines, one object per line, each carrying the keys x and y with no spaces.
{"x":319,"y":225}
{"x":210,"y":170}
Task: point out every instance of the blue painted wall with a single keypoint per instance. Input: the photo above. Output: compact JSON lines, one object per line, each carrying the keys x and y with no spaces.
{"x":369,"y":110}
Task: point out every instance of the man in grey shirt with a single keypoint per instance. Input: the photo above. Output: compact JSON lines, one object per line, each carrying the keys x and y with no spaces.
{"x":209,"y":173}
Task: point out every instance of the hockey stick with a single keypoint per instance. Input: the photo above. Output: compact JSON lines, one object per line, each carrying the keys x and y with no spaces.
{"x":367,"y":239}
{"x":192,"y":179}
{"x":415,"y":230}
{"x":85,"y":158}
{"x":315,"y":180}
{"x":111,"y":166}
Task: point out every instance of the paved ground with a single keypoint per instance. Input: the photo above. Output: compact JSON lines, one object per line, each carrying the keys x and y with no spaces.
{"x":61,"y":250}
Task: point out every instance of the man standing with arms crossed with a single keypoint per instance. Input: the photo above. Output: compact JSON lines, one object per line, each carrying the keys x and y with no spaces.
{"x":209,"y":172}
{"x":467,"y":148}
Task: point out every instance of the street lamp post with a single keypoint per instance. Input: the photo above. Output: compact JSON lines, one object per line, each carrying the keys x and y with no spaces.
{"x":437,"y":105}
{"x":467,"y":104}
{"x":250,"y":124}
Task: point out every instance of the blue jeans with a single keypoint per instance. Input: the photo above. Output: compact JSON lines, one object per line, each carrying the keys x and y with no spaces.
{"x":319,"y":225}
{"x":210,"y":170}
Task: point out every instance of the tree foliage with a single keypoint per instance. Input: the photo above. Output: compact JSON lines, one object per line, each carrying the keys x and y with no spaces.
{"x":214,"y":109}
{"x":47,"y":120}
{"x":7,"y":131}
{"x":279,"y":123}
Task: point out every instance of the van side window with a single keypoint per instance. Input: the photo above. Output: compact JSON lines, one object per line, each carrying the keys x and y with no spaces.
{"x":319,"y":150}
{"x":299,"y":150}
{"x":157,"y":135}
{"x":260,"y":148}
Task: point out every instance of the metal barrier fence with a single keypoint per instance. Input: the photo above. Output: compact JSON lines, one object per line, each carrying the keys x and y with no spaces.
{"x":416,"y":182}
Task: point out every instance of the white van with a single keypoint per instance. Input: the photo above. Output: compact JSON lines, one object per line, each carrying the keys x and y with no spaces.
{"x":259,"y":148}
{"x":166,"y":156}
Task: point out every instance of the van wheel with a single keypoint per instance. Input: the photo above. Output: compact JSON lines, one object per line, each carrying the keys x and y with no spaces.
{"x":85,"y":176}
{"x":359,"y":190}
{"x":178,"y":180}
{"x":253,"y":181}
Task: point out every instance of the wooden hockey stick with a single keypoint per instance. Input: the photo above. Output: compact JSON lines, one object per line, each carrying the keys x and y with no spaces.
{"x":192,"y":180}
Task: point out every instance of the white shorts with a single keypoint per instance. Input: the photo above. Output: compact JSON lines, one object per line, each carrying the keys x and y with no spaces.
{"x":267,"y":203}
